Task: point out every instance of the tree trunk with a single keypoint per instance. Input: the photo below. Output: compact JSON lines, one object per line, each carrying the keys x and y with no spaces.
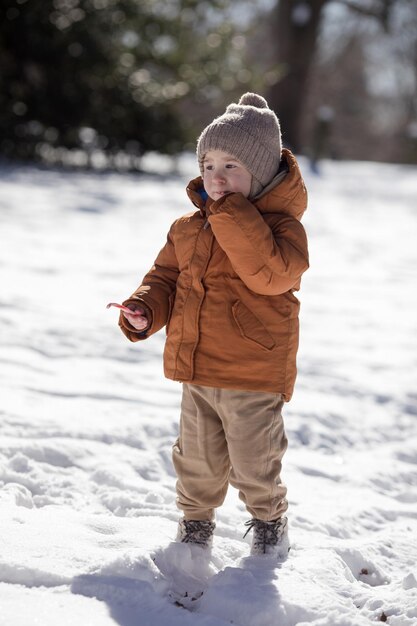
{"x":295,"y":26}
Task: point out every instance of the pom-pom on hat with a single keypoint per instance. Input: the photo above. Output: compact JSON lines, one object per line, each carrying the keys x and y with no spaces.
{"x":250,"y":132}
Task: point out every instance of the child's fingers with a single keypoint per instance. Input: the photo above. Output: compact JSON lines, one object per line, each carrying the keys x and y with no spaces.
{"x":138,"y":321}
{"x":135,"y":315}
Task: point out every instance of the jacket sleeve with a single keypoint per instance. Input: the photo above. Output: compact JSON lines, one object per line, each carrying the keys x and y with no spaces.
{"x":155,"y":294}
{"x":269,"y":259}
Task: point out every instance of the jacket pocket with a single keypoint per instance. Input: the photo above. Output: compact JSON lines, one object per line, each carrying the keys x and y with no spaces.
{"x":251,"y":327}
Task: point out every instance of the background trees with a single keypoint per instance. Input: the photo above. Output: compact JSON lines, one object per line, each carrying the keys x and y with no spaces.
{"x":348,"y":76}
{"x":127,"y":76}
{"x":107,"y":74}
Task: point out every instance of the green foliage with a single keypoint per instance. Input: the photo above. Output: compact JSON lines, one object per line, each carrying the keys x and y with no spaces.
{"x":118,"y":75}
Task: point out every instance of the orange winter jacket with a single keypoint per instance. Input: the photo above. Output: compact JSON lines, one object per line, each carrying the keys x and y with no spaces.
{"x":223,"y":285}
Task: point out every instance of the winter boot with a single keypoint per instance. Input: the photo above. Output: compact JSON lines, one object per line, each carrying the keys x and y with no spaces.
{"x":199,"y":532}
{"x":269,"y":538}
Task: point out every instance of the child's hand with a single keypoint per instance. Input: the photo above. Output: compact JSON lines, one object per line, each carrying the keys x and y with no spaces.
{"x":136,"y":318}
{"x":135,"y":315}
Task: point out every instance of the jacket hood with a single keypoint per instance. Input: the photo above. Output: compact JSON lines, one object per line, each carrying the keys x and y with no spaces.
{"x":286,"y":193}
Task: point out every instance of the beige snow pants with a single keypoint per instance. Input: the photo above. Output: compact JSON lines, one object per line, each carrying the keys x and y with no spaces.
{"x":230,"y":436}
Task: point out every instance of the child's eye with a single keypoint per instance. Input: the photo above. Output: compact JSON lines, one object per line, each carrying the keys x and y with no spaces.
{"x":230,"y":165}
{"x":208,"y":167}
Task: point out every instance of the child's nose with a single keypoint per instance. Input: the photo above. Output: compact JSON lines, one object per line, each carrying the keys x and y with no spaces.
{"x":219,"y":175}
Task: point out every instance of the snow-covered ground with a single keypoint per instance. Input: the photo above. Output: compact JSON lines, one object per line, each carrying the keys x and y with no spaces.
{"x":87,"y":499}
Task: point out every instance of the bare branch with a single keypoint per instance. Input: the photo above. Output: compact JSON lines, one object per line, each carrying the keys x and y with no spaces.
{"x":380,"y":11}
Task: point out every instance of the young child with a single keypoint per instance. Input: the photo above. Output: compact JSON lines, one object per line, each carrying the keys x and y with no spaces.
{"x":223,"y":285}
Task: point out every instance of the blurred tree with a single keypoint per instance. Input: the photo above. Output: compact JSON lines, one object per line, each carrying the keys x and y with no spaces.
{"x":107,"y":74}
{"x":296,"y":27}
{"x":295,"y":30}
{"x":367,"y":75}
{"x":338,"y":119}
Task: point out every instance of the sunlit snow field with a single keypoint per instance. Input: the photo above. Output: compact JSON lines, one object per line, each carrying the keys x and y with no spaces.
{"x":87,"y":490}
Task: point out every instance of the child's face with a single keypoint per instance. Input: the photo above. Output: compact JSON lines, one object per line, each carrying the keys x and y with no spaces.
{"x":223,"y":174}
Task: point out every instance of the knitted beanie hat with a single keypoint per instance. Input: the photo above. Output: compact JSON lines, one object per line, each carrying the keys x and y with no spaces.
{"x":250,"y":132}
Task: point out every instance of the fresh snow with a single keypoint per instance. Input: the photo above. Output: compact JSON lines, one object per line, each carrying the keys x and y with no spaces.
{"x":87,"y":489}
